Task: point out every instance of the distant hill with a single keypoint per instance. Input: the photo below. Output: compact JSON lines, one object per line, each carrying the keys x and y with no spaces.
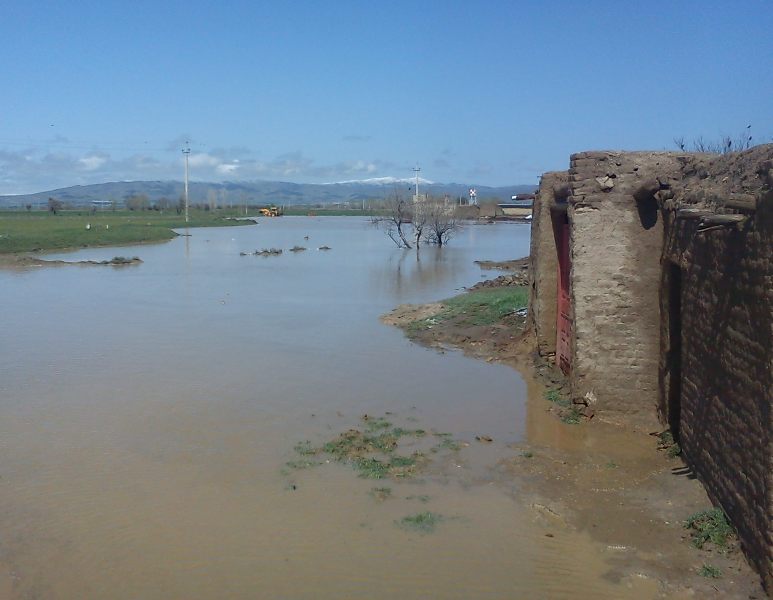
{"x":256,"y":192}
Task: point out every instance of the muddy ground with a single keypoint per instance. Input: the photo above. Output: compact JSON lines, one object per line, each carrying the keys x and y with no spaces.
{"x":23,"y":262}
{"x":605,"y":479}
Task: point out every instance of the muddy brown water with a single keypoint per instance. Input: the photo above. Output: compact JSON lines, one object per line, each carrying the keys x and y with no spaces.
{"x":146,"y":413}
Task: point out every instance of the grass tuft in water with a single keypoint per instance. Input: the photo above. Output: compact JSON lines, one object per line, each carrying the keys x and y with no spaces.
{"x":423,"y":498}
{"x":372,"y":451}
{"x":447,"y":442}
{"x":424,"y":522}
{"x":571,"y":417}
{"x":305,"y":448}
{"x":301,"y":464}
{"x":381,"y":493}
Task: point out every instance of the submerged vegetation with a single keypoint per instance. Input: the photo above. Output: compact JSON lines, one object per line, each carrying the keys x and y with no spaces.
{"x":372,"y":450}
{"x":424,"y":522}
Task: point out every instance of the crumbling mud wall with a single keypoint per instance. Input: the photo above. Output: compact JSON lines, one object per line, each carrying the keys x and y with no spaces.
{"x":616,"y":243}
{"x":543,"y":265}
{"x":671,"y":289}
{"x":716,"y":366}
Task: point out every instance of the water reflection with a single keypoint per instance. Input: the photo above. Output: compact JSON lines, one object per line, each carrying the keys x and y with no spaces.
{"x":406,"y":272}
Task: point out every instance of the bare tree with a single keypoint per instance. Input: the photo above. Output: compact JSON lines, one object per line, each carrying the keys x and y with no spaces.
{"x":420,"y":218}
{"x":442,"y":222}
{"x":398,"y":213}
{"x":137,"y":202}
{"x":211,"y":198}
{"x":54,"y":205}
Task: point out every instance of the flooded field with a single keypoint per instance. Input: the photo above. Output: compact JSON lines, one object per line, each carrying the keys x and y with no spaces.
{"x":148,"y":413}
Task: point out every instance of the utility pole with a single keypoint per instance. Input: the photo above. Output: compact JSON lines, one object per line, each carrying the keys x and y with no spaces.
{"x":416,"y":170}
{"x":186,"y":152}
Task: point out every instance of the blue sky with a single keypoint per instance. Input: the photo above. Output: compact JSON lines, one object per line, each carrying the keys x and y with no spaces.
{"x":485,"y":92}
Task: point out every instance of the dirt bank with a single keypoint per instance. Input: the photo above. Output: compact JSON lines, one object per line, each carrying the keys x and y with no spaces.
{"x":587,"y":475}
{"x":21,"y":262}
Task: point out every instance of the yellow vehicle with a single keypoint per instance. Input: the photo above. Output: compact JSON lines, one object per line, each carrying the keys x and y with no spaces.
{"x":271,"y":211}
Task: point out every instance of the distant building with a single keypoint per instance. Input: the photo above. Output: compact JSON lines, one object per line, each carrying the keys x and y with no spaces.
{"x":517,"y":207}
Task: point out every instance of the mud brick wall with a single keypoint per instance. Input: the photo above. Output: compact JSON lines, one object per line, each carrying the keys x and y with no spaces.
{"x":616,"y":243}
{"x":724,"y":412}
{"x":543,"y":264}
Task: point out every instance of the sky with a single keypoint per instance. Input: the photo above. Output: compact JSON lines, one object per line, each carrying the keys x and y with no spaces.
{"x":485,"y":92}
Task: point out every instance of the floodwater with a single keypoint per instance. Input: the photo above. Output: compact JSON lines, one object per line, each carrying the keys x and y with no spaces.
{"x":146,"y":413}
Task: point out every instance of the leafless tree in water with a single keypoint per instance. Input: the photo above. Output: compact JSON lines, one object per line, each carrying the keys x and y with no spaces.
{"x":396,"y":217}
{"x":442,"y":221}
{"x":408,"y":224}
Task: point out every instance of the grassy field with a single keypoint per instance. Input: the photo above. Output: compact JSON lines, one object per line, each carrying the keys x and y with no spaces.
{"x":22,"y":231}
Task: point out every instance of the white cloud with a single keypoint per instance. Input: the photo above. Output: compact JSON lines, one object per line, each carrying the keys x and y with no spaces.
{"x":203,"y":160}
{"x":93,"y":162}
{"x":35,"y":170}
{"x":226,"y":169}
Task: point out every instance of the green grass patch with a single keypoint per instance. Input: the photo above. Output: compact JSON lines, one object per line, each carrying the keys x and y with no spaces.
{"x":667,"y":442}
{"x":40,"y":230}
{"x":710,"y":571}
{"x":709,"y":526}
{"x":425,"y":522}
{"x":447,"y":442}
{"x":571,"y":416}
{"x":305,"y":448}
{"x":376,"y":423}
{"x":371,"y":468}
{"x":480,"y":307}
{"x":674,"y":450}
{"x":557,"y":398}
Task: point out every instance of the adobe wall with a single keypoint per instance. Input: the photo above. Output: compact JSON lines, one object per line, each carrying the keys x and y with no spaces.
{"x":672,"y":292}
{"x":616,"y":243}
{"x":543,"y":261}
{"x":723,"y":411}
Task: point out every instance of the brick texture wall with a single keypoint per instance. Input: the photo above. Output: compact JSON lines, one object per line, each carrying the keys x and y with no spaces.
{"x":724,"y":408}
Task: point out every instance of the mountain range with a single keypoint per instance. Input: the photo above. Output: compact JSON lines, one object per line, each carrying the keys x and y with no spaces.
{"x":256,"y":192}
